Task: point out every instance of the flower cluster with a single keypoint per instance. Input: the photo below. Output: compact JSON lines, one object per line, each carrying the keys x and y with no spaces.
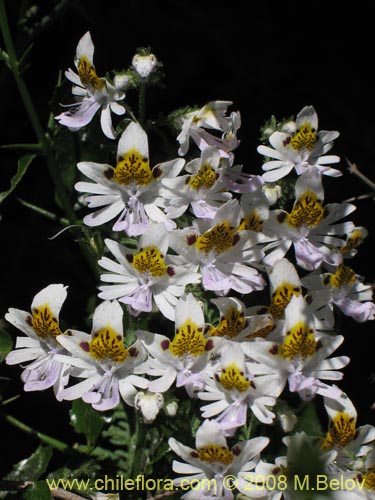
{"x":194,"y":241}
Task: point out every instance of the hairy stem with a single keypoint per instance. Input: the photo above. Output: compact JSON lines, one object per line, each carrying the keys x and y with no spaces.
{"x":44,"y":438}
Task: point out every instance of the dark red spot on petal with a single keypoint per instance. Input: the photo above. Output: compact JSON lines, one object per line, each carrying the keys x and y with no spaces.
{"x":164,"y":344}
{"x":170,"y":271}
{"x":209,"y":345}
{"x":109,"y":173}
{"x":133,"y":352}
{"x":84,"y":346}
{"x":273,"y":349}
{"x":281,"y":217}
{"x":191,"y":239}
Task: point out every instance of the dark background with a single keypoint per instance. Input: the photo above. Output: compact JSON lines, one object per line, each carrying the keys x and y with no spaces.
{"x":267,"y":57}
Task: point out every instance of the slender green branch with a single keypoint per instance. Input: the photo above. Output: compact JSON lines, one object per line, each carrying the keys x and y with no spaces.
{"x":142,"y":102}
{"x":50,"y":441}
{"x":140,"y":438}
{"x":43,"y":139}
{"x":14,"y":66}
{"x":45,"y":213}
{"x":23,"y":147}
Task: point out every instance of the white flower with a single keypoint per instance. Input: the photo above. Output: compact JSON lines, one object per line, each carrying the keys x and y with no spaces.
{"x":212,"y":466}
{"x":284,"y":479}
{"x":353,"y":240}
{"x":41,"y":345}
{"x":183,"y":359}
{"x":235,"y":324}
{"x":309,"y":227}
{"x":107,"y":367}
{"x":92,"y":93}
{"x":231,"y":389}
{"x":300,"y":357}
{"x":343,"y":289}
{"x":131,"y":189}
{"x":223,"y":253}
{"x":284,"y":283}
{"x":350,"y":443}
{"x":144,"y":64}
{"x":300,"y":150}
{"x":213,"y":117}
{"x":202,"y":188}
{"x":148,"y":275}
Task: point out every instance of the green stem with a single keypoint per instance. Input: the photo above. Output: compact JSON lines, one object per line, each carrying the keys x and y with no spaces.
{"x":142,"y":102}
{"x":13,"y":64}
{"x":50,"y":441}
{"x":43,"y":139}
{"x":44,"y":213}
{"x":140,"y":438}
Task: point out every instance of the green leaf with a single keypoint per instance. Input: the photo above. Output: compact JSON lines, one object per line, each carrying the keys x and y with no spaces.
{"x":308,"y":421}
{"x":23,"y":165}
{"x":31,"y":468}
{"x":86,"y":420}
{"x":37,"y":491}
{"x":6,"y":344}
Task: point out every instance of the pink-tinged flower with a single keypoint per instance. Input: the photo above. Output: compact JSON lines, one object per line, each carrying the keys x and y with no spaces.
{"x":341,"y":288}
{"x":231,"y":389}
{"x":41,"y":345}
{"x":92,"y":93}
{"x":108,"y":368}
{"x":196,"y":124}
{"x":130,"y":190}
{"x":184,"y":359}
{"x":202,"y":188}
{"x":212,"y":467}
{"x":147,"y":277}
{"x":310,"y":227}
{"x":351,"y":443}
{"x":300,"y":357}
{"x":301,"y":149}
{"x":224,"y":254}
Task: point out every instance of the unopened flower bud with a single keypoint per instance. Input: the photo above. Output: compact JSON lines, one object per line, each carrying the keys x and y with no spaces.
{"x":272,"y":193}
{"x":121,"y":81}
{"x":287,"y":420}
{"x":171,"y":409}
{"x":149,"y":405}
{"x":289,"y":127}
{"x":144,"y":65}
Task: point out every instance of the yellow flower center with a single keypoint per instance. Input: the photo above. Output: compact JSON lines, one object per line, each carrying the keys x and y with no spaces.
{"x":233,"y":378}
{"x":344,"y":276}
{"x":150,"y":261}
{"x":231,"y":324}
{"x":307,"y":211}
{"x":107,"y":344}
{"x":281,"y":298}
{"x":219,"y":239}
{"x":252,"y":221}
{"x":263,"y":331}
{"x":299,"y":341}
{"x":213,"y":453}
{"x":205,"y":178}
{"x":188,"y":340}
{"x":88,"y":76}
{"x":44,"y":323}
{"x":304,"y":138}
{"x":341,"y":431}
{"x":354,"y":240}
{"x":133,"y":168}
{"x":369,"y":479}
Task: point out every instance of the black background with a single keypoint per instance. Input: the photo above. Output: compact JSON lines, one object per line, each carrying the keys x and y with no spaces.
{"x":268,"y":58}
